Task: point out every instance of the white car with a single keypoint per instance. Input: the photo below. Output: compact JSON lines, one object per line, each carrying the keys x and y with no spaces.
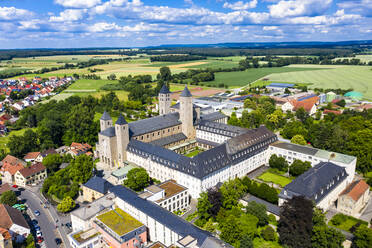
{"x":38,"y":234}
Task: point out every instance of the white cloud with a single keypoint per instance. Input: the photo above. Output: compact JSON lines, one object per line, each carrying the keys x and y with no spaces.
{"x":269,"y":28}
{"x":69,"y":15}
{"x":102,"y":27}
{"x":240,"y":5}
{"x":78,"y":3}
{"x":299,"y":8}
{"x":12,"y":13}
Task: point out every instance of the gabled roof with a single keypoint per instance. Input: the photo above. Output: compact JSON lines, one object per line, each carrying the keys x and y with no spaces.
{"x":10,"y":216}
{"x":47,"y":152}
{"x":31,"y":155}
{"x":32,"y":170}
{"x":98,"y":184}
{"x":356,"y":189}
{"x":164,"y":90}
{"x":169,"y":139}
{"x":171,"y":221}
{"x":316,"y":183}
{"x":105,"y":116}
{"x":11,"y":160}
{"x":121,"y":120}
{"x":186,"y":92}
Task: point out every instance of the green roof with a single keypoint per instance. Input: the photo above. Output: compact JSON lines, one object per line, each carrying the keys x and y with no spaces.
{"x":334,"y":156}
{"x":354,"y":94}
{"x":122,"y":171}
{"x":119,"y":221}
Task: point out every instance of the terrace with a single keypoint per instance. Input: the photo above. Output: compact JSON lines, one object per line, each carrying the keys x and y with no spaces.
{"x":84,"y":237}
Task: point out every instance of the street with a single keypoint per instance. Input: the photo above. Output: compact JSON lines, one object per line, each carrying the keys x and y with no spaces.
{"x":46,"y":219}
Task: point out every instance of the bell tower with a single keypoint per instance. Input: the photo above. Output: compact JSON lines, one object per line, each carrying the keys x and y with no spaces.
{"x":105,"y":121}
{"x":186,"y":113}
{"x":122,"y":138}
{"x":164,"y":100}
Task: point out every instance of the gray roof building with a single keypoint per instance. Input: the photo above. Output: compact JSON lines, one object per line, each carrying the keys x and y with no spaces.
{"x":186,"y":92}
{"x":121,"y":120}
{"x":221,"y":128}
{"x":315,"y":183}
{"x":98,"y":184}
{"x":230,"y":153}
{"x":164,"y":90}
{"x":166,"y":218}
{"x":105,"y":116}
{"x":169,"y":139}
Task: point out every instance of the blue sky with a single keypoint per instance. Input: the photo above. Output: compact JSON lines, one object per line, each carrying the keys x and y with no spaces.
{"x":134,"y":23}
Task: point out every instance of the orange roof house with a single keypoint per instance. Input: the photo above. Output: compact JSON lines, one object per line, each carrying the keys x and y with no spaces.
{"x":356,"y":189}
{"x":10,"y":166}
{"x":31,"y":156}
{"x":77,"y":149}
{"x":354,"y":198}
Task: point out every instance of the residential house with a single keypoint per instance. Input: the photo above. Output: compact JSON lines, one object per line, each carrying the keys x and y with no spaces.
{"x":4,"y":118}
{"x":45,"y":153}
{"x":77,"y":149}
{"x":31,"y":175}
{"x":62,"y":150}
{"x":31,"y":156}
{"x":13,"y":221}
{"x":354,"y":198}
{"x":18,"y":106}
{"x":10,"y":165}
{"x":95,"y":188}
{"x":328,"y":111}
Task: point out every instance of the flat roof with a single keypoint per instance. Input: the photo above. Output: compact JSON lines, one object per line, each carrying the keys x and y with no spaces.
{"x":119,"y":221}
{"x":171,"y":188}
{"x":84,"y":236}
{"x":122,"y":171}
{"x":95,"y":207}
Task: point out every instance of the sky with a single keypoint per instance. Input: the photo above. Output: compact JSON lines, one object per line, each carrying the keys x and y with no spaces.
{"x":138,"y":23}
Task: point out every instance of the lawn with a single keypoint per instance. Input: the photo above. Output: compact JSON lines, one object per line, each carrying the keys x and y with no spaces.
{"x":4,"y":140}
{"x":357,"y":77}
{"x":345,"y":222}
{"x":274,"y":178}
{"x":261,"y":243}
{"x":193,"y":153}
{"x":243,"y":78}
{"x":119,"y":221}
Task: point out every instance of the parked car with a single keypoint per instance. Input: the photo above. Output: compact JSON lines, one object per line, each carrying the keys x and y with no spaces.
{"x":58,"y":241}
{"x":15,"y":186}
{"x":37,"y":228}
{"x":40,"y":240}
{"x":37,"y":212}
{"x":39,"y":234}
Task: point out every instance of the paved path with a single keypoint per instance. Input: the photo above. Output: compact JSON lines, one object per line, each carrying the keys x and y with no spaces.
{"x":192,"y":208}
{"x":257,"y":172}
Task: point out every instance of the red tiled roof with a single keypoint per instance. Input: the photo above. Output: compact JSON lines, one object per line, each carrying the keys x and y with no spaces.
{"x":9,"y":216}
{"x":356,"y":189}
{"x":306,"y":104}
{"x":31,"y":155}
{"x":31,"y":170}
{"x":5,"y":233}
{"x":336,"y":112}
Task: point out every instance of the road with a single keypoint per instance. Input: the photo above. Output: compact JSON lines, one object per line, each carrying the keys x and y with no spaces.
{"x":47,"y":218}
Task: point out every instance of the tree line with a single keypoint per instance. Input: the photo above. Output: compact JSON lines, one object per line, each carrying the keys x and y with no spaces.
{"x":176,"y":58}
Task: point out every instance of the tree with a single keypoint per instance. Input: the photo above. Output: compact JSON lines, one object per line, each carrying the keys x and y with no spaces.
{"x":362,"y":237}
{"x":325,"y":237}
{"x":80,"y":169}
{"x":287,"y":91}
{"x":8,"y":198}
{"x":165,"y":74}
{"x":341,"y":103}
{"x":295,"y":223}
{"x":278,"y":163}
{"x":246,"y":241}
{"x":298,"y":139}
{"x":52,"y":162}
{"x":233,"y":120}
{"x":248,"y":224}
{"x":268,"y":234}
{"x":111,"y":77}
{"x":231,"y":191}
{"x":230,"y":230}
{"x":298,"y":167}
{"x":258,"y":210}
{"x":66,"y":205}
{"x":137,"y":179}
{"x":301,"y":114}
{"x":204,"y":206}
{"x":215,"y":198}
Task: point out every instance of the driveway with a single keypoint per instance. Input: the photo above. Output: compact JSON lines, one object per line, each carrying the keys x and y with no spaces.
{"x":48,"y":218}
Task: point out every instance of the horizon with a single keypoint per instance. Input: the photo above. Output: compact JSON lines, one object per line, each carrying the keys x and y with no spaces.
{"x":69,"y":24}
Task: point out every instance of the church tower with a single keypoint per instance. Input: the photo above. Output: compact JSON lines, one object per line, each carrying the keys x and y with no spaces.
{"x":105,"y":121}
{"x":186,"y":113}
{"x":164,"y":100}
{"x":122,"y":138}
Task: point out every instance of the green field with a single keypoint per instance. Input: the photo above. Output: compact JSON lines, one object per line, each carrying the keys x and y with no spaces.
{"x":357,"y":77}
{"x":346,"y":222}
{"x":243,"y":78}
{"x":274,"y":178}
{"x":88,"y":84}
{"x":4,"y":140}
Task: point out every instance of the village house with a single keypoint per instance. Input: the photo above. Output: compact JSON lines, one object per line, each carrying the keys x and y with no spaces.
{"x":31,"y":156}
{"x":95,"y":188}
{"x":13,"y":221}
{"x":31,"y":175}
{"x":5,"y":238}
{"x":45,"y":153}
{"x":353,"y":199}
{"x":9,"y":166}
{"x":77,"y":149}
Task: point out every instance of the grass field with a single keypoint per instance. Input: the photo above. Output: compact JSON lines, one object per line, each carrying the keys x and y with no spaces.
{"x":193,"y":153}
{"x":357,"y":77}
{"x":4,"y":140}
{"x":274,"y":178}
{"x":242,"y":78}
{"x":346,"y":222}
{"x":88,"y":84}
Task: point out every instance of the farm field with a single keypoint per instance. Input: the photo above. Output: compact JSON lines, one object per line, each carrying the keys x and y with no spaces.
{"x":363,"y":58}
{"x":243,"y":78}
{"x":357,"y":77}
{"x":82,"y":85}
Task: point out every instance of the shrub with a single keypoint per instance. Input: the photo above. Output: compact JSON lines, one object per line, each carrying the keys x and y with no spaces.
{"x":268,"y":234}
